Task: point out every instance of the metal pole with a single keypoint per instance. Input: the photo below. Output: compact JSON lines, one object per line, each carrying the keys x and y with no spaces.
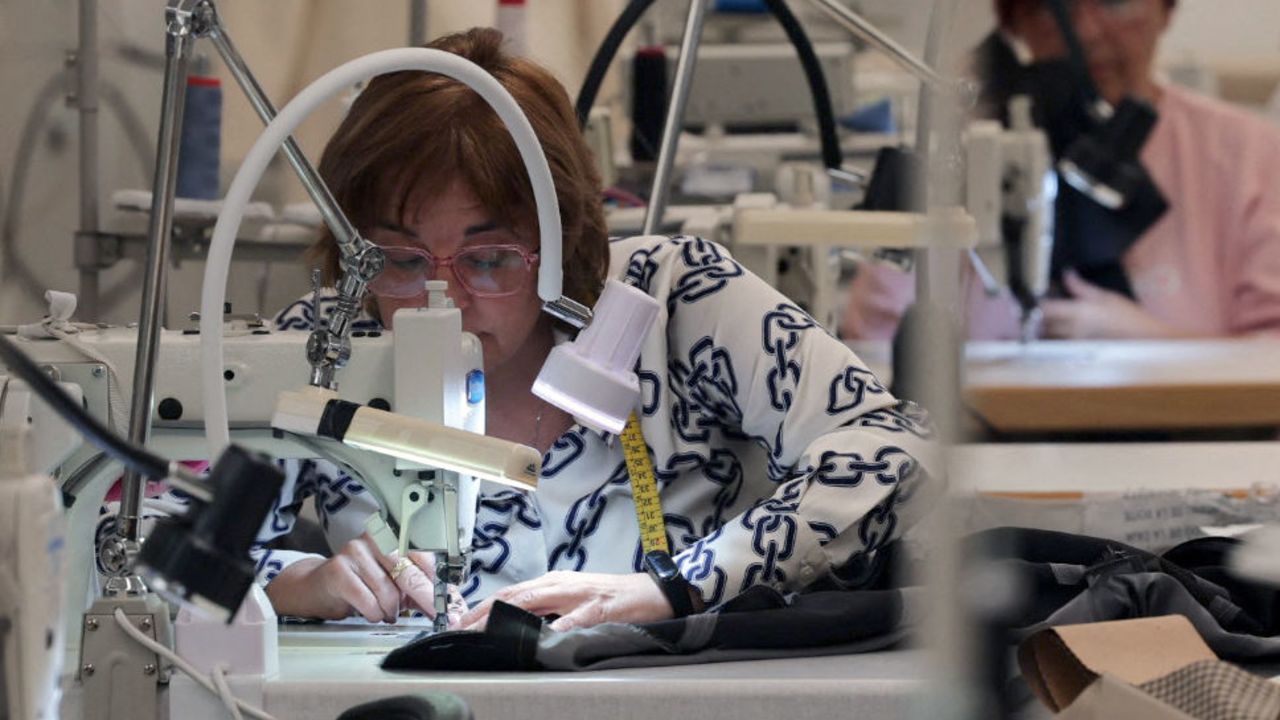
{"x":178,"y":42}
{"x":87,"y":104}
{"x":417,"y":23}
{"x":861,"y":27}
{"x":344,"y":233}
{"x":675,"y":116}
{"x":329,"y":348}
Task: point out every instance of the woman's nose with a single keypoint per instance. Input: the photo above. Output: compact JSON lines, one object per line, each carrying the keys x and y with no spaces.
{"x":456,"y":292}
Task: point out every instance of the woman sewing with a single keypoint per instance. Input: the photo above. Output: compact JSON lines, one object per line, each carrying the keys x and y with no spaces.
{"x":780,"y":459}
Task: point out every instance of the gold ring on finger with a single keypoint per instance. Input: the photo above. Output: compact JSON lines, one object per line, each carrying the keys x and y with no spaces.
{"x":401,"y":565}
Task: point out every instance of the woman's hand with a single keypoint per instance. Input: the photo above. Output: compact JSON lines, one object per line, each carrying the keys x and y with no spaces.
{"x":580,"y":599}
{"x":1097,"y":313}
{"x":355,"y":581}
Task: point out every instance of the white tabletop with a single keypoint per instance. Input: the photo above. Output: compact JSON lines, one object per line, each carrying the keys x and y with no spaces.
{"x":317,"y":682}
{"x":1095,"y":467}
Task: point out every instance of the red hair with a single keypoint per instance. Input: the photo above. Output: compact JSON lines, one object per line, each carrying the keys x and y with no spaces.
{"x":410,"y":134}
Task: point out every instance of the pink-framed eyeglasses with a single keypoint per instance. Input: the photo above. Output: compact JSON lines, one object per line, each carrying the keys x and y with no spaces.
{"x":482,"y":270}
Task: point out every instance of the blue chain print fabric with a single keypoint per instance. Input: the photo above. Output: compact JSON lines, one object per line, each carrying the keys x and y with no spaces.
{"x":777,"y":453}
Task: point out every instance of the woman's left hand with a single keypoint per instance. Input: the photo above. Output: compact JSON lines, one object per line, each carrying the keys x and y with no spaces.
{"x":1094,"y":313}
{"x":580,"y":599}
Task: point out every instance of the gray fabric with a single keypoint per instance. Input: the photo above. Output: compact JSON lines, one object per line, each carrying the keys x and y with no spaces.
{"x":697,"y":632}
{"x":1068,"y":574}
{"x":1223,"y":610}
{"x":619,"y":645}
{"x":881,"y":642}
{"x":581,"y":648}
{"x":1149,"y":594}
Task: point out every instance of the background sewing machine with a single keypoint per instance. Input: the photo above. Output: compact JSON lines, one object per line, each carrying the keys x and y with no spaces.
{"x":800,"y":243}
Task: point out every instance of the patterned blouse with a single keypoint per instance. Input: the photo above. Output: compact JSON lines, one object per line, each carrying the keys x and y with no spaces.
{"x":779,"y":457}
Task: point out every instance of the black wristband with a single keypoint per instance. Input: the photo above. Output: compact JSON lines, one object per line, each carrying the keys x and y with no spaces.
{"x":662,"y":569}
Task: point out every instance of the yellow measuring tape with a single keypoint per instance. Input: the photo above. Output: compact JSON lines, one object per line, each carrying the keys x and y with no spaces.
{"x":644,"y":488}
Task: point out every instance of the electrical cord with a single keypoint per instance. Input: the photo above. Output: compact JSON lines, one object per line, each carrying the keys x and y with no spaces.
{"x":229,"y":700}
{"x":832,"y":156}
{"x":604,"y":57}
{"x":221,"y":689}
{"x":135,"y":458}
{"x":1075,"y":52}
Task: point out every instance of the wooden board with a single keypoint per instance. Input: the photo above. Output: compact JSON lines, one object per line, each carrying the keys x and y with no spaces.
{"x":1056,"y":386}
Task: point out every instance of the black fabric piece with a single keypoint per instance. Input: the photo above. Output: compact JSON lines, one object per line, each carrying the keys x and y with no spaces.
{"x":893,"y":182}
{"x":428,"y":706}
{"x":508,"y":643}
{"x":1067,"y":579}
{"x":1091,"y":240}
{"x":760,"y":622}
{"x":1036,"y":550}
{"x":336,"y":419}
{"x":1207,"y":558}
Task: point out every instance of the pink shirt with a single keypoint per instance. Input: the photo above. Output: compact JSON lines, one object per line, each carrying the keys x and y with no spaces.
{"x":1211,"y":265}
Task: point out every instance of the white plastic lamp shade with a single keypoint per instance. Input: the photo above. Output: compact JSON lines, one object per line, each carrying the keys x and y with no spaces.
{"x":591,"y":377}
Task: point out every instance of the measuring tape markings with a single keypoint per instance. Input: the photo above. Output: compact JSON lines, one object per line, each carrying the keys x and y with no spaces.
{"x":644,"y":488}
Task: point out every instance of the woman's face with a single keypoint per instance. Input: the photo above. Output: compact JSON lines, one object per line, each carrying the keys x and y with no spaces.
{"x":455,"y":221}
{"x":1119,"y":38}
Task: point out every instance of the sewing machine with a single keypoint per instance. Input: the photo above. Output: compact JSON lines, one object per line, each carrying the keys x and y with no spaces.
{"x":798,"y":243}
{"x":429,"y":369}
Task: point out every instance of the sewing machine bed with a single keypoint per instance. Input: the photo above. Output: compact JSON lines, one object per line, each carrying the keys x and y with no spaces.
{"x":315,"y":681}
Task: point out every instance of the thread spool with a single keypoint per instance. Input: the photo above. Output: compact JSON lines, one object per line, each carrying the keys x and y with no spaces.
{"x":200,"y":148}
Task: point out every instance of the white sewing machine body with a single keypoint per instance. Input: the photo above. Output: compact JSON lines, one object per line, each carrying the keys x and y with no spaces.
{"x":430,"y":369}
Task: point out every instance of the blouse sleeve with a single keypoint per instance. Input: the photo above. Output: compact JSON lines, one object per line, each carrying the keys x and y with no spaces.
{"x":848,"y":459}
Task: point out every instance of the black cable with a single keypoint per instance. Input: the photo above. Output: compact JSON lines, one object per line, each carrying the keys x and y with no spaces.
{"x":1075,"y":51}
{"x":831,"y":153}
{"x":832,"y":157}
{"x":604,"y":57}
{"x":133,"y":457}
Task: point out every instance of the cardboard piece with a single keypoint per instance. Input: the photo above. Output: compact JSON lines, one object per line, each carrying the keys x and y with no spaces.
{"x":1060,"y":662}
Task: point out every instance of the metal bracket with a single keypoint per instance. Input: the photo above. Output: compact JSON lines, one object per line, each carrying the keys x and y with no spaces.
{"x":71,"y":63}
{"x":569,"y":311}
{"x":121,"y":678}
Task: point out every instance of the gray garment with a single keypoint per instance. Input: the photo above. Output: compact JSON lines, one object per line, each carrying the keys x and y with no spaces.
{"x":615,"y":645}
{"x":620,"y":645}
{"x":1148,"y":594}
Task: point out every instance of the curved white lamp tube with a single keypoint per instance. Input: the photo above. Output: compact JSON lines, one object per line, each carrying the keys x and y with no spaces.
{"x":214,"y":290}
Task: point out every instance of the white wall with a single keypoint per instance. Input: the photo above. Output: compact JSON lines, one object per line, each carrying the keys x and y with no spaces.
{"x":1216,"y":29}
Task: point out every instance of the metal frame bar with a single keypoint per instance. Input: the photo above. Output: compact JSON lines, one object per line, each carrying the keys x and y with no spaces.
{"x":660,"y":191}
{"x":329,"y":349}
